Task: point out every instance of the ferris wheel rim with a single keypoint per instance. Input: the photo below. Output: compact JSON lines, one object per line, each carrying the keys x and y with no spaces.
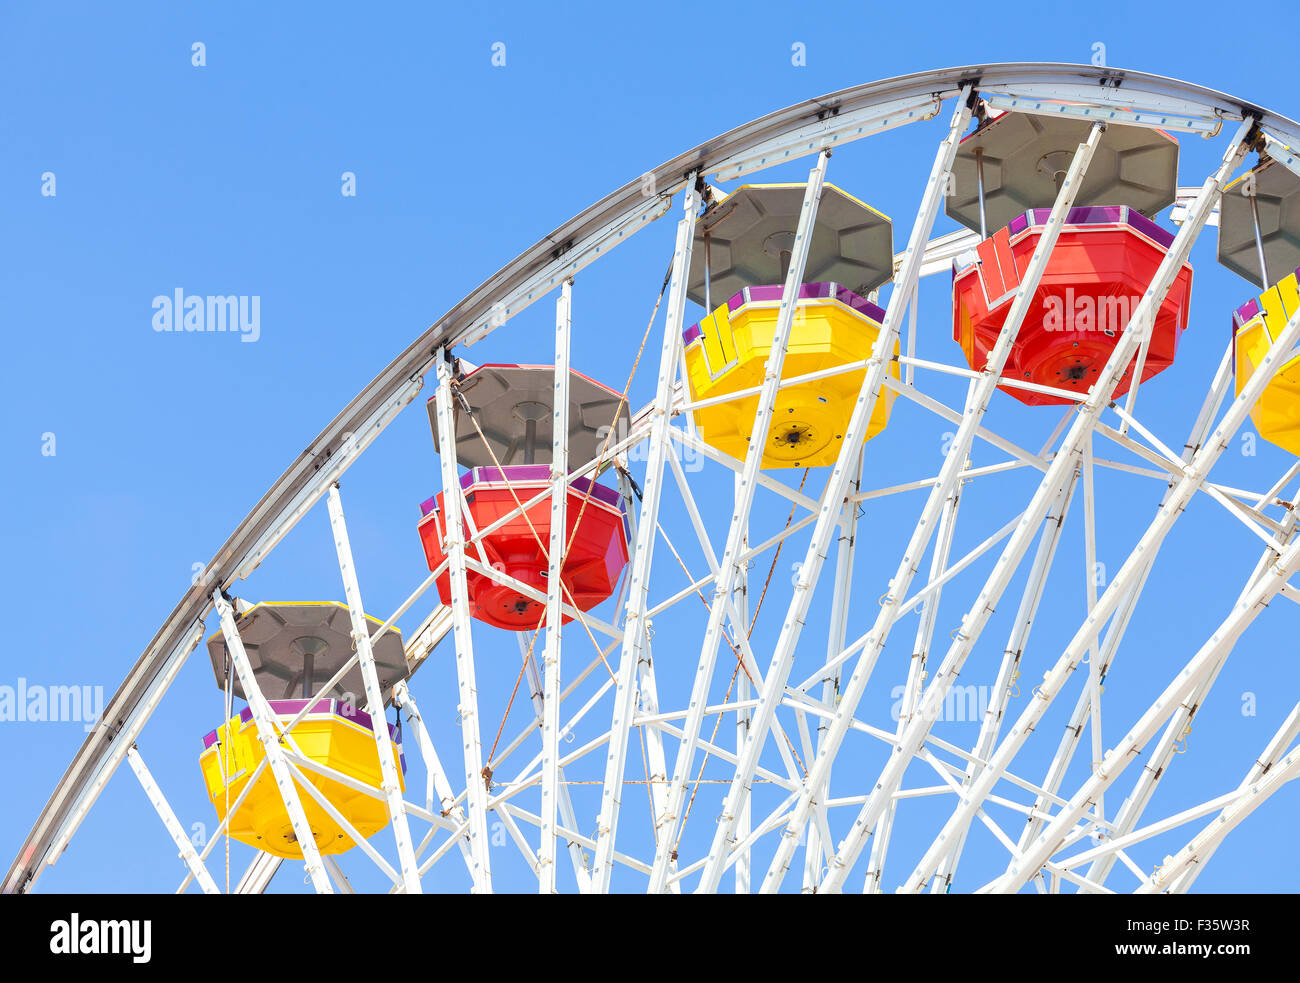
{"x":403,"y":376}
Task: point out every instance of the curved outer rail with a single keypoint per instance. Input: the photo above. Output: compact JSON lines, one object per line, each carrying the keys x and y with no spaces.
{"x":785,"y":135}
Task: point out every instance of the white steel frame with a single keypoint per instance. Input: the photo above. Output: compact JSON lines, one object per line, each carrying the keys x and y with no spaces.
{"x":785,"y":737}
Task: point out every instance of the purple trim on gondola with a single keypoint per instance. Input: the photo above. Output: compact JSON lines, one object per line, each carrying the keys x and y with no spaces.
{"x":809,"y":291}
{"x":1096,"y":215}
{"x":526,"y":473}
{"x":1251,"y":308}
{"x":291,"y":708}
{"x":1149,"y":229}
{"x":540,"y":473}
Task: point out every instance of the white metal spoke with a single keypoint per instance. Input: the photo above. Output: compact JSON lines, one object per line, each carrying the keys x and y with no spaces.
{"x":264,"y":720}
{"x":1063,"y":464}
{"x":467,"y":686}
{"x":730,"y":563}
{"x":836,"y":489}
{"x":171,"y":823}
{"x":1009,"y":668}
{"x":437,"y":783}
{"x":634,"y":632}
{"x":556,"y":550}
{"x":1132,"y":570}
{"x":981,"y":392}
{"x":392,"y":788}
{"x":915,"y":674}
{"x":1187,"y":865}
{"x":769,"y":774}
{"x":1117,"y":758}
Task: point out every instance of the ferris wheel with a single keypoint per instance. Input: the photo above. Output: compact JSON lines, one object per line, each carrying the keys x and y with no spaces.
{"x":605,"y":677}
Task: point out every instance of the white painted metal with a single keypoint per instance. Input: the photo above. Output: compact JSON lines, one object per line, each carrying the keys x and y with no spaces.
{"x":264,"y":719}
{"x":172,"y":824}
{"x":635,"y":628}
{"x":808,"y":808}
{"x":837,"y":488}
{"x":729,"y":565}
{"x":977,"y":402}
{"x":392,"y":788}
{"x":467,"y":686}
{"x":556,"y":549}
{"x":1134,"y":566}
{"x":1063,"y":464}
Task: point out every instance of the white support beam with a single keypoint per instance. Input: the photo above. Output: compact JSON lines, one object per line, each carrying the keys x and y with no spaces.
{"x":467,"y":685}
{"x":438,"y":785}
{"x":1119,"y":757}
{"x":264,"y":720}
{"x":392,"y":786}
{"x":634,"y":630}
{"x":1009,"y":668}
{"x":836,"y":638}
{"x":980,"y":394}
{"x":556,"y":549}
{"x":1198,"y":853}
{"x":916,"y":671}
{"x":730,"y":562}
{"x":172,"y":824}
{"x":1133,"y":569}
{"x":1162,"y":754}
{"x":778,"y":674}
{"x":1062,"y":467}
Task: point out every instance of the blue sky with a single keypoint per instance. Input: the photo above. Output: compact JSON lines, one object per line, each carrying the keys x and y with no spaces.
{"x":225,"y":179}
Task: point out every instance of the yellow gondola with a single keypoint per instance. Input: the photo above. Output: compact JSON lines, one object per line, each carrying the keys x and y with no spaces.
{"x":727,"y":353}
{"x":335,"y":735}
{"x":1256,"y":324}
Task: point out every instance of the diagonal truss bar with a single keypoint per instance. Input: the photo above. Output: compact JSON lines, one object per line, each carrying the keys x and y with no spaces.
{"x":1127,"y":818}
{"x":1119,"y":757}
{"x":980,"y":393}
{"x":827,"y":518}
{"x":916,"y":672}
{"x":730,"y":561}
{"x":1009,"y":669}
{"x":1162,"y":755}
{"x":1062,"y":467}
{"x":172,"y":824}
{"x":634,"y":630}
{"x":264,"y":720}
{"x":437,"y":780}
{"x":1171,"y":508}
{"x":836,"y":639}
{"x":648,"y":694}
{"x":555,"y":594}
{"x":467,"y":685}
{"x":565,"y":803}
{"x":392,"y":787}
{"x":1263,"y":779}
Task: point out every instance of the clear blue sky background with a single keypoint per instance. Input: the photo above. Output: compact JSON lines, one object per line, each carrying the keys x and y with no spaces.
{"x":225,"y":179}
